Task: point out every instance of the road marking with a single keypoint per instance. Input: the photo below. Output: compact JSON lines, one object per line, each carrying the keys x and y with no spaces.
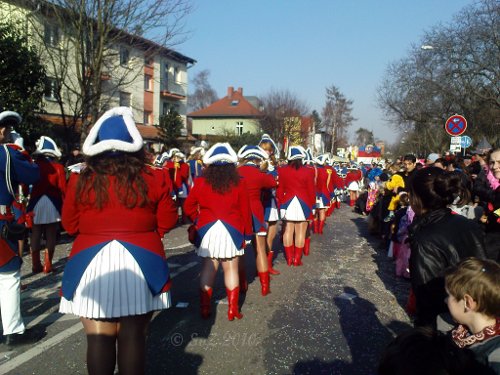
{"x":22,"y":358}
{"x":39,"y":349}
{"x":179,"y":247}
{"x":182,"y":269}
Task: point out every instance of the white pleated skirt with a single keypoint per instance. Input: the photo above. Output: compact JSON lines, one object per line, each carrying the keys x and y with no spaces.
{"x":45,"y":212}
{"x":218,"y":243}
{"x":353,"y":186}
{"x":294,"y":211}
{"x":272,"y":213}
{"x":113,"y":286}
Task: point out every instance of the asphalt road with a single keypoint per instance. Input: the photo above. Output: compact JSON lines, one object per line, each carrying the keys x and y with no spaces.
{"x":333,"y":315}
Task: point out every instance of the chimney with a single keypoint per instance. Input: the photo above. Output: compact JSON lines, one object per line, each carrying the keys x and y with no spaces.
{"x":240,"y":90}
{"x":230,"y":91}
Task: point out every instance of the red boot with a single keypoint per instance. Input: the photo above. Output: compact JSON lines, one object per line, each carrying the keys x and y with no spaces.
{"x":321,"y":226}
{"x":316,"y":226}
{"x":272,"y":271}
{"x":307,"y":246}
{"x":205,"y":297}
{"x":47,"y":263}
{"x":297,"y":260}
{"x":289,"y":252}
{"x":232,"y":300}
{"x":36,"y":265}
{"x":264,"y":283}
{"x":337,"y":204}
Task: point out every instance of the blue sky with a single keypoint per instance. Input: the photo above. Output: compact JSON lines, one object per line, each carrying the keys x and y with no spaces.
{"x":306,"y":45}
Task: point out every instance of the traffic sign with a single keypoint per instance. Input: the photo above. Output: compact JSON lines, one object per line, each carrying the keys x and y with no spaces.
{"x":456,"y":125}
{"x":466,"y":141}
{"x":455,"y":144}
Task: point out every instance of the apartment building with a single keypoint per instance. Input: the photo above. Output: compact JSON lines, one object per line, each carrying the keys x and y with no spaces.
{"x":137,"y":72}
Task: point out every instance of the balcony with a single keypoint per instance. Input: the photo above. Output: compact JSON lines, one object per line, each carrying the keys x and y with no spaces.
{"x":174,"y":91}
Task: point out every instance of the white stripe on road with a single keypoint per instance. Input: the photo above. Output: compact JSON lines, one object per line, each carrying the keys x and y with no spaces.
{"x":39,"y":349}
{"x":57,"y":339}
{"x":179,"y":246}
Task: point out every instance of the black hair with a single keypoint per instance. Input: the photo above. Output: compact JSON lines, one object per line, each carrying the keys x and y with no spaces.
{"x":410,"y":157}
{"x":433,"y":188}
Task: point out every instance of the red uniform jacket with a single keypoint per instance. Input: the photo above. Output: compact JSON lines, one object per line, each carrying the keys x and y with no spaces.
{"x":322,"y":191}
{"x":52,"y":183}
{"x":205,"y":207}
{"x":256,"y":181}
{"x":139,"y":229}
{"x":296,"y":183}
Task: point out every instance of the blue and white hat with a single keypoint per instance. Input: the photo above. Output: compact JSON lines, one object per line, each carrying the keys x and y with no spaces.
{"x":115,"y":130}
{"x":46,"y":146}
{"x":322,"y":159}
{"x":195,"y":150}
{"x":219,"y":154}
{"x":296,"y":152}
{"x":16,"y":138}
{"x":267,"y":139}
{"x":252,"y":152}
{"x":10,"y":116}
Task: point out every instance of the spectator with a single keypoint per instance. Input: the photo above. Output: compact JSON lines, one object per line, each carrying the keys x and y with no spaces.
{"x":473,"y":288}
{"x":438,"y":239}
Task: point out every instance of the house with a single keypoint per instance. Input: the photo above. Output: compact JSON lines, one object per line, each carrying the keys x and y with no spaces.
{"x":234,"y":114}
{"x":137,"y":72}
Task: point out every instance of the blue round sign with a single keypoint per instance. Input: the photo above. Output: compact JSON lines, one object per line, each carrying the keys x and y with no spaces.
{"x":456,"y":125}
{"x":466,"y":141}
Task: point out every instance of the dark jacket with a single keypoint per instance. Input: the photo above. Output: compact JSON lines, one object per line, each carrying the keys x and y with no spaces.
{"x":439,"y":240}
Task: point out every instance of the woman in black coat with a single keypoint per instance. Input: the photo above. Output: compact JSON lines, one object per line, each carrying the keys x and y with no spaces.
{"x":438,"y":239}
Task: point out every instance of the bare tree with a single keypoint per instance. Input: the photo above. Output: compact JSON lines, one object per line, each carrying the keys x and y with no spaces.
{"x":364,"y":137}
{"x":454,"y":69}
{"x":336,"y":117}
{"x":87,"y":62}
{"x":203,"y":94}
{"x":283,"y":112}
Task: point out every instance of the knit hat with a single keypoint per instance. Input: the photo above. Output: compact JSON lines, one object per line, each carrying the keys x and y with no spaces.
{"x":432,"y":157}
{"x":219,"y":154}
{"x":296,"y":152}
{"x":115,"y":130}
{"x":252,"y":152}
{"x":46,"y":146}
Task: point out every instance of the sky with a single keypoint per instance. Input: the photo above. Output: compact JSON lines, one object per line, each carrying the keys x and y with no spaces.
{"x":304,"y":46}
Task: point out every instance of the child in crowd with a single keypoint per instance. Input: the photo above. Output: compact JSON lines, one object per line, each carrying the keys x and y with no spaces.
{"x":473,"y":289}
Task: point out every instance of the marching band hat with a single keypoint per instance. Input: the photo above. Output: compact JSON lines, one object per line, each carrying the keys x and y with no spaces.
{"x":252,"y":152}
{"x":172,"y":152}
{"x":321,"y":159}
{"x":194,"y":150}
{"x":296,"y":152}
{"x":10,"y":116}
{"x":267,"y":139}
{"x":179,"y":154}
{"x":46,"y":146}
{"x":115,"y":130}
{"x":16,"y":138}
{"x":219,"y":154}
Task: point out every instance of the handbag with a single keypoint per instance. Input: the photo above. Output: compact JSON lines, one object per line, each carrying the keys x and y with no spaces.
{"x":13,"y":231}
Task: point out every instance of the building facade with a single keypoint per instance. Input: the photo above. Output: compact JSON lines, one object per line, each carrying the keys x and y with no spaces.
{"x":136,"y":72}
{"x":234,"y":114}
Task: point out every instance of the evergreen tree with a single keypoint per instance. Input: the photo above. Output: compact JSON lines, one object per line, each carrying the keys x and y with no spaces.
{"x":22,"y":82}
{"x":170,"y":128}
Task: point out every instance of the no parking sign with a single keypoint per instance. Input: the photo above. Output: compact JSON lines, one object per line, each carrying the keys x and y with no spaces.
{"x":456,"y":125}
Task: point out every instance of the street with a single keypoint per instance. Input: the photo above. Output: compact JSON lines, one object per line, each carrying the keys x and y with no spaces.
{"x":333,"y":315}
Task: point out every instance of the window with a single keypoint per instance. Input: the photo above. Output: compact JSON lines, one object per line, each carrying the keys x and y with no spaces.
{"x":149,"y":61}
{"x":165,"y":108}
{"x":148,"y":82}
{"x":124,"y":56}
{"x":147,"y":117}
{"x":51,"y":90}
{"x":177,"y":74}
{"x":165,"y":75}
{"x":125,"y":99}
{"x":234,"y":103}
{"x":51,"y":35}
{"x":239,"y":127}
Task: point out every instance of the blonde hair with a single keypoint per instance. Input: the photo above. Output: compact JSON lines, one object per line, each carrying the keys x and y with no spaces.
{"x":478,"y":278}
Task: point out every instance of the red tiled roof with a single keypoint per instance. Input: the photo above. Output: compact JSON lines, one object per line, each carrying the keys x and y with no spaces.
{"x":232,"y":105}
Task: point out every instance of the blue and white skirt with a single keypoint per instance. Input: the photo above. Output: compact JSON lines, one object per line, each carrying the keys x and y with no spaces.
{"x":45,"y":212}
{"x":271,"y":213}
{"x":294,"y":211}
{"x":112,"y":286}
{"x":217,"y":243}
